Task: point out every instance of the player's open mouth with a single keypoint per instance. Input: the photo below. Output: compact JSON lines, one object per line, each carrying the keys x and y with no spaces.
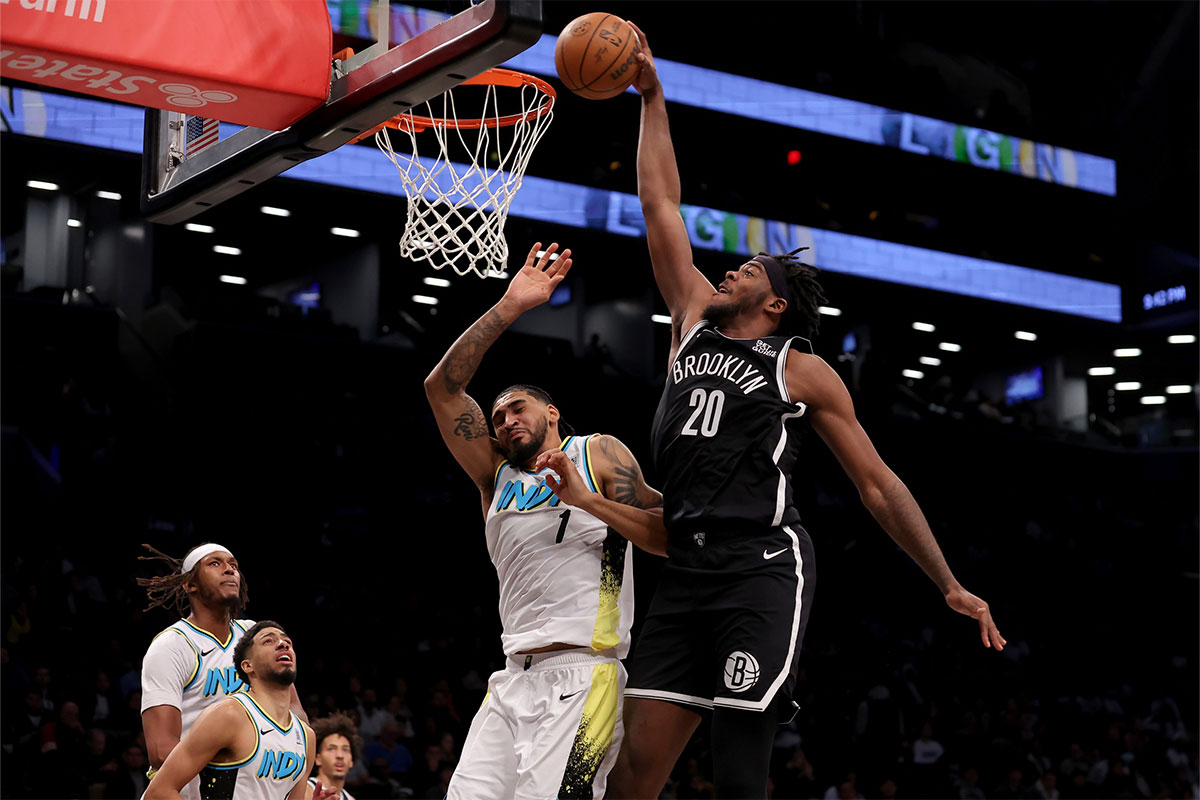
{"x":284,"y":658}
{"x":722,"y":290}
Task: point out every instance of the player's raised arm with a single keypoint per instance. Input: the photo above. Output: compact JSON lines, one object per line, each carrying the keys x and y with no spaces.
{"x":883,"y":493}
{"x":625,"y":502}
{"x":462,"y":423}
{"x":684,"y":288}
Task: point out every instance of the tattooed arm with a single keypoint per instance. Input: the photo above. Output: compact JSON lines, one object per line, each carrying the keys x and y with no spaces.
{"x":624,"y":501}
{"x":462,"y":423}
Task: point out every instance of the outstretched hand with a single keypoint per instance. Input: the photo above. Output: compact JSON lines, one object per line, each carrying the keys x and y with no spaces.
{"x":966,"y":603}
{"x":646,"y":82}
{"x":538,"y":278}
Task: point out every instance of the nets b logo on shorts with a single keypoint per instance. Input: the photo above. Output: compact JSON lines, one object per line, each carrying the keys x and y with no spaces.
{"x":741,"y":671}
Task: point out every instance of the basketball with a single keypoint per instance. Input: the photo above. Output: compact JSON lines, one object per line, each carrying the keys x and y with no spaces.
{"x":596,"y":56}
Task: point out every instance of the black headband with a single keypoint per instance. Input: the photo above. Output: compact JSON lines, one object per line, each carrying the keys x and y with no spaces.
{"x":777,"y":275}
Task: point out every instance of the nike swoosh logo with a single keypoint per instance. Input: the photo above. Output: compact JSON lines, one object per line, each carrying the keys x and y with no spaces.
{"x":569,"y":696}
{"x":206,"y":652}
{"x":260,"y":730}
{"x":769,"y":556}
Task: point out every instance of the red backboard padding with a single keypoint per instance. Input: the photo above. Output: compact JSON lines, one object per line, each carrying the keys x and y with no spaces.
{"x":263,"y":63}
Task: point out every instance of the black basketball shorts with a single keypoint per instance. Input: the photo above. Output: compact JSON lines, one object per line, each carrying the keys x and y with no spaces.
{"x":727,"y":619}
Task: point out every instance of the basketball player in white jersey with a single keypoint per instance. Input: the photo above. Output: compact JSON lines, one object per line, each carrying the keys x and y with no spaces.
{"x":550,"y":725}
{"x":338,"y":745}
{"x":189,"y":666}
{"x":249,"y":746}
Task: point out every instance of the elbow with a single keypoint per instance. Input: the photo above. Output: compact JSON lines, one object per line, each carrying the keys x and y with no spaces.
{"x":157,"y":750}
{"x":433,"y":384}
{"x":873,"y":497}
{"x":663,"y":203}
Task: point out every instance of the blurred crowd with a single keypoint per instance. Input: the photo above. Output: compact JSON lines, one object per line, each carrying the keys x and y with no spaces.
{"x":322,"y":472}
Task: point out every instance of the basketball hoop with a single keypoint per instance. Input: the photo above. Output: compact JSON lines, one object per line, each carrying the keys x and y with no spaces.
{"x":456,"y":211}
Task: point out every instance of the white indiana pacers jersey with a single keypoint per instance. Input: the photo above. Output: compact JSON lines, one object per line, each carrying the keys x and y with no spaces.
{"x":190,"y":669}
{"x":278,"y":763}
{"x":564,"y":576}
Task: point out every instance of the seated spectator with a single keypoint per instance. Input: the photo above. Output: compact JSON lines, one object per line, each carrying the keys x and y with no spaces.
{"x":389,"y":748}
{"x":1046,"y":787}
{"x":130,"y":779}
{"x":968,"y":788}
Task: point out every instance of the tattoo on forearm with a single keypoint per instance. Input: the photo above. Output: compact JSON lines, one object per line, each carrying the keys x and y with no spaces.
{"x":465,"y":354}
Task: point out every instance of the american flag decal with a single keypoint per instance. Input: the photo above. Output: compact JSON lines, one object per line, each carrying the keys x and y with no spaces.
{"x":201,"y":133}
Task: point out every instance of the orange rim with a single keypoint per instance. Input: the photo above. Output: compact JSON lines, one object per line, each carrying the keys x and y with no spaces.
{"x":496,"y":76}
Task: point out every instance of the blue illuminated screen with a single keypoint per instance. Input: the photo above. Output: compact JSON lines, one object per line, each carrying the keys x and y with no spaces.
{"x":1024,"y":386}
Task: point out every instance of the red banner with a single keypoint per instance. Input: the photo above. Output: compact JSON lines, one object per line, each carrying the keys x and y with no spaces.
{"x":263,"y":63}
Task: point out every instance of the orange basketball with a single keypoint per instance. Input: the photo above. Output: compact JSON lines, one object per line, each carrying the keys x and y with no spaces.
{"x":596,"y":56}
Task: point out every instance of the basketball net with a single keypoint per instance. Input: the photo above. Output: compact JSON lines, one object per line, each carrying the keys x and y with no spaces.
{"x":456,"y":211}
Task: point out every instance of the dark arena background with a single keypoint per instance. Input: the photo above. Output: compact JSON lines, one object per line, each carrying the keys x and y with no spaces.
{"x":148,"y":399}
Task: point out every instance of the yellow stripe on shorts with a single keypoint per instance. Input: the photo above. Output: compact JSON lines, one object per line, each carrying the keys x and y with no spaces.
{"x":595,"y":734}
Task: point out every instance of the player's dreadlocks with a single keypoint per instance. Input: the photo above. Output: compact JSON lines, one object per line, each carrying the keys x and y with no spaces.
{"x":802,"y":317}
{"x":168,"y":590}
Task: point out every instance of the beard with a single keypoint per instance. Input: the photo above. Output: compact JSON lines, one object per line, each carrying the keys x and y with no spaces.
{"x":520,"y":453}
{"x":719,"y":313}
{"x":284,"y":677}
{"x":214,"y":597}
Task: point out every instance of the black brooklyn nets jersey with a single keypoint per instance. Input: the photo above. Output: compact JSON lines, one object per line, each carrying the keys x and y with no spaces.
{"x":726,"y":433}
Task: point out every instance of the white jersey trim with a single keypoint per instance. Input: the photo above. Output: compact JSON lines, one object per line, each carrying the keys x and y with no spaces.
{"x":657,"y":694}
{"x":781,"y":489}
{"x":769,"y":695}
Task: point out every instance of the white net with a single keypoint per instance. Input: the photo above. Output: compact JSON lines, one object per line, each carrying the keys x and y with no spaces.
{"x":456,"y":211}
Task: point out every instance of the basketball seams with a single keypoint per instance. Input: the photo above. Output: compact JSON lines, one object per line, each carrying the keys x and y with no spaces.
{"x":560,"y":63}
{"x":622,"y":54}
{"x":587,"y":48}
{"x":601,"y":85}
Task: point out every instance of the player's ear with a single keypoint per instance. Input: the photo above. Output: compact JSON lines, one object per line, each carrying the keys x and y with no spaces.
{"x":553,"y":412}
{"x":777,"y":305}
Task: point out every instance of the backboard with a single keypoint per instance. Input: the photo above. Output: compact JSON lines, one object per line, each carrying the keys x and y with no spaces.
{"x":186,"y":169}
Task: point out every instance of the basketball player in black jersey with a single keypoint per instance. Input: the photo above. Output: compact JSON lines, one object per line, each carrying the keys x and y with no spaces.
{"x":723,"y":632}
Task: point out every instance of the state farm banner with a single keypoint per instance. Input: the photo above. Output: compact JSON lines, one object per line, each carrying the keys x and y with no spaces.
{"x":263,"y":63}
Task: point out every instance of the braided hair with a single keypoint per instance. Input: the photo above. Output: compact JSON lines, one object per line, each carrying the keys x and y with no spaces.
{"x":170,"y":589}
{"x":802,"y":318}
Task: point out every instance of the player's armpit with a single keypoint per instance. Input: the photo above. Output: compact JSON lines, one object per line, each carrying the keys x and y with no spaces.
{"x":464,"y":429}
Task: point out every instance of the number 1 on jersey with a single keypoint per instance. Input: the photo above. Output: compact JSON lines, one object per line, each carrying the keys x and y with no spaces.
{"x":562,"y":526}
{"x":710,"y":405}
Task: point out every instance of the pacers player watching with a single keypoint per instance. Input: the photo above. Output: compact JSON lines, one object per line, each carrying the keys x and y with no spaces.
{"x":190,"y":666}
{"x":723,"y":633}
{"x":249,"y":746}
{"x":550,"y":725}
{"x":338,"y":746}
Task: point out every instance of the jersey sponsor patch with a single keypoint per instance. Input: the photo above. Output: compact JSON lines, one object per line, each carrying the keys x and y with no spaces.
{"x":762,"y":347}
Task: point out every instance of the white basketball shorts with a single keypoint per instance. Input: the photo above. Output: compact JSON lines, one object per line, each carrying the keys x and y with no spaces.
{"x":549,"y":727}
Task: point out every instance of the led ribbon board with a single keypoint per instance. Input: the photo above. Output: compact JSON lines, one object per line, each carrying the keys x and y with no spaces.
{"x":805,"y":110}
{"x":108,"y":125}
